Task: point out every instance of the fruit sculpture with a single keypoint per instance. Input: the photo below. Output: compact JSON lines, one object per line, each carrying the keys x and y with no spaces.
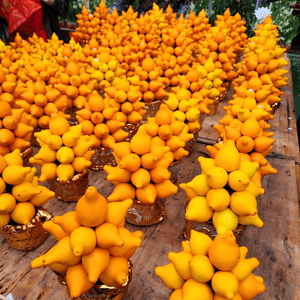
{"x":19,"y":190}
{"x":142,"y":171}
{"x":15,"y":133}
{"x":257,"y":90}
{"x":211,"y":269}
{"x":64,"y":150}
{"x":92,"y":244}
{"x":225,"y":191}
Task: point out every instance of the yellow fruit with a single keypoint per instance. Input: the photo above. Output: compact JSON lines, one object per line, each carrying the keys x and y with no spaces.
{"x":54,"y":229}
{"x":201,"y":268}
{"x":147,"y":194}
{"x":218,"y":199}
{"x":194,"y":290}
{"x":141,"y":141}
{"x":249,"y":167}
{"x":23,"y":213}
{"x":199,"y":185}
{"x":140,"y":178}
{"x":251,"y":220}
{"x":4,"y":220}
{"x":225,"y":220}
{"x":206,"y":163}
{"x":238,"y":180}
{"x":225,"y":284}
{"x":169,"y":276}
{"x":48,"y":171}
{"x":58,"y":125}
{"x":15,"y":174}
{"x":176,"y":295}
{"x":244,"y":267}
{"x":95,"y":263}
{"x":91,"y":208}
{"x":82,"y":240}
{"x":25,"y":191}
{"x":68,"y":222}
{"x":117,"y":210}
{"x":14,"y":158}
{"x":181,"y":261}
{"x":116,"y":273}
{"x":65,"y":155}
{"x":250,"y":287}
{"x":7,"y":203}
{"x":199,"y":243}
{"x":130,"y":242}
{"x":77,"y":280}
{"x":2,"y":185}
{"x":228,"y":157}
{"x":131,"y":162}
{"x":224,"y":252}
{"x":198,"y":210}
{"x":216,"y":177}
{"x":107,"y":235}
{"x":65,"y":172}
{"x":54,"y":142}
{"x":243,"y":203}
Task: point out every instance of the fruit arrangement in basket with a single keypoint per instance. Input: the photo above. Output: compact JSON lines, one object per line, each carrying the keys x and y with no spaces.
{"x":225,"y":192}
{"x":211,"y":269}
{"x":93,"y":245}
{"x":20,"y":192}
{"x":21,"y":201}
{"x":64,"y":150}
{"x":144,"y":161}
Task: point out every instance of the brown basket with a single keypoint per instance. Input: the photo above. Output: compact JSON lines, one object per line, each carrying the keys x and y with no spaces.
{"x":145,"y":214}
{"x":189,"y":146}
{"x":102,"y":157}
{"x":214,"y":107}
{"x":26,"y":154}
{"x":152,"y":108}
{"x":33,"y":140}
{"x":30,"y":236}
{"x":72,"y":112}
{"x":131,"y":129}
{"x":100,"y":291}
{"x":174,"y":170}
{"x":207,"y":228}
{"x":73,"y":189}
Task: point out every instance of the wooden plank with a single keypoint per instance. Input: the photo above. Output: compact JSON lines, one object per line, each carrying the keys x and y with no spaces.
{"x":276,"y":244}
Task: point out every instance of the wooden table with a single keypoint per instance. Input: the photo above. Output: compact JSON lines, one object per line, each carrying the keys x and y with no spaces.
{"x":276,"y":244}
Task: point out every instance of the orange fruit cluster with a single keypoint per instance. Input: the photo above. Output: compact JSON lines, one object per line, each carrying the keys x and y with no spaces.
{"x":19,"y":190}
{"x":92,"y":244}
{"x":215,"y":269}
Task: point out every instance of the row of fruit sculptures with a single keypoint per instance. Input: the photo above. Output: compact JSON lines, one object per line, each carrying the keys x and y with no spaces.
{"x":184,"y":61}
{"x":225,"y":193}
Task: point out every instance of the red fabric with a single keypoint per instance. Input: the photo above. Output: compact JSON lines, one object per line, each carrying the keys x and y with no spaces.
{"x":24,"y":16}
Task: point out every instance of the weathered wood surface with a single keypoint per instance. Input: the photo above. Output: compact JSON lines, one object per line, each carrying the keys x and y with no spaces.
{"x":276,"y":244}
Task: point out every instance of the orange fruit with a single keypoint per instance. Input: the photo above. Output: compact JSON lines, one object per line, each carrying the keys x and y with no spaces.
{"x":72,"y":68}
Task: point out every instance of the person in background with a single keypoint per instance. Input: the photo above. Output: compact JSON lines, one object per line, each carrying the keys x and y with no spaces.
{"x":51,"y":10}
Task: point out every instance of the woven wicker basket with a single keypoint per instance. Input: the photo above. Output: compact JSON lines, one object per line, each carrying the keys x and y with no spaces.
{"x":26,"y":154}
{"x":100,"y":291}
{"x":30,"y":236}
{"x":152,"y":108}
{"x":189,"y":146}
{"x":145,"y":214}
{"x":73,"y":189}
